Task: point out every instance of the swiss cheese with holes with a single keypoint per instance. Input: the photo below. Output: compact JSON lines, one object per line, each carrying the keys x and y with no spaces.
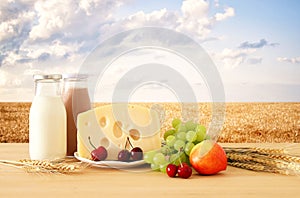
{"x":110,"y":125}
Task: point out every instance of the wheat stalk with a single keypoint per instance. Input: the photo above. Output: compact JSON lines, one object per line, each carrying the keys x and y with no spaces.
{"x":264,"y":159}
{"x":255,"y":150}
{"x":248,"y":166}
{"x":46,"y":166}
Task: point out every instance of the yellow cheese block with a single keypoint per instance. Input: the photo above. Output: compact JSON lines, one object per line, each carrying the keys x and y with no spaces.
{"x":111,"y":125}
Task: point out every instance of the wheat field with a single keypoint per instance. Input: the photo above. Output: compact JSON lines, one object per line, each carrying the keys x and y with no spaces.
{"x":244,"y":122}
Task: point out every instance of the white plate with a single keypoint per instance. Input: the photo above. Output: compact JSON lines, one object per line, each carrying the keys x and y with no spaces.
{"x":110,"y":164}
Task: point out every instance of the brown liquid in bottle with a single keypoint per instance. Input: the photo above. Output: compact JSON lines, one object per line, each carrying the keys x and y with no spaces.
{"x":76,"y":101}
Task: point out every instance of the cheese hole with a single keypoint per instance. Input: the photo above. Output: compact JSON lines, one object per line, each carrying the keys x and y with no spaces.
{"x":87,"y":123}
{"x":134,"y":134}
{"x":117,"y":131}
{"x":102,"y":122}
{"x":104,"y":142}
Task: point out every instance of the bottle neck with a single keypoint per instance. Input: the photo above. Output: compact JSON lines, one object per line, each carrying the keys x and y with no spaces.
{"x":48,"y":87}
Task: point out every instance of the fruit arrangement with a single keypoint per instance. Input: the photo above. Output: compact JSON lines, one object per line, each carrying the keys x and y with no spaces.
{"x":187,"y":145}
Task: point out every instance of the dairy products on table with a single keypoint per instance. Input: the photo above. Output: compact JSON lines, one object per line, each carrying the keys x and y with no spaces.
{"x":76,"y":100}
{"x":110,"y":125}
{"x":47,"y":128}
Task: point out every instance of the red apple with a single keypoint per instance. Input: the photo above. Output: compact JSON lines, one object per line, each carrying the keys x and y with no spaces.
{"x":208,"y":158}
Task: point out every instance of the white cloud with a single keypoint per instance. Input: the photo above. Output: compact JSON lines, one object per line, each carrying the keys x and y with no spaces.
{"x":193,"y":19}
{"x":229,"y":12}
{"x":36,"y":30}
{"x":13,"y":22}
{"x":194,"y":9}
{"x":53,"y":16}
{"x":71,"y":18}
{"x":38,"y":25}
{"x":87,"y":5}
{"x":295,"y":60}
{"x":260,"y":44}
{"x":232,"y":58}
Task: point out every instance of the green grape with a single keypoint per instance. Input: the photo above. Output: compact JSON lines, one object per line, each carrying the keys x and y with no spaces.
{"x":155,"y":167}
{"x":181,"y":128}
{"x":181,"y":136}
{"x":169,"y":132}
{"x":159,"y":159}
{"x":191,"y":136}
{"x":188,"y":147}
{"x":165,"y":150}
{"x":163,"y":168}
{"x":148,"y":157}
{"x":170,"y":140}
{"x":190,"y":125}
{"x":201,"y":132}
{"x":179,"y":145}
{"x":176,"y":122}
{"x":175,"y":159}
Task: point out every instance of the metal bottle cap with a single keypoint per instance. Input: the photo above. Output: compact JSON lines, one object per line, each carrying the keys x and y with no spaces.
{"x":46,"y":77}
{"x":75,"y":76}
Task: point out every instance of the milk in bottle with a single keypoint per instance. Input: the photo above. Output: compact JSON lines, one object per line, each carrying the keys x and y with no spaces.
{"x":47,"y":120}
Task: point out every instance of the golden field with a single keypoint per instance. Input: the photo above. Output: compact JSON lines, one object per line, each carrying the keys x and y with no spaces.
{"x":244,"y":122}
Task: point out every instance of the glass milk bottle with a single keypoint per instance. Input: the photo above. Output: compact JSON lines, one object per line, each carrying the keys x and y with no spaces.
{"x":76,"y":99}
{"x":47,"y":119}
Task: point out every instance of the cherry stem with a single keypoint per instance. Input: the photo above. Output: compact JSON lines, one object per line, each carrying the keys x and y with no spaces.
{"x":180,"y":151}
{"x":91,"y":142}
{"x":126,"y":143}
{"x":129,"y":142}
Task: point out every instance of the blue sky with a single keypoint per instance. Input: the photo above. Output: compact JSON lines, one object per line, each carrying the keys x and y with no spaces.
{"x":253,"y":43}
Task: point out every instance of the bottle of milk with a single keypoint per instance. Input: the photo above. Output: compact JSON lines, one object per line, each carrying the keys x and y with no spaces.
{"x":47,"y":119}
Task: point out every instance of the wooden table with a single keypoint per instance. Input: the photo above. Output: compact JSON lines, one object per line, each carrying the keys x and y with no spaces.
{"x":140,"y":182}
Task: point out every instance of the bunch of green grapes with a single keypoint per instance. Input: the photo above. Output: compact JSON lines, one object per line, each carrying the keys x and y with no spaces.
{"x":177,"y":145}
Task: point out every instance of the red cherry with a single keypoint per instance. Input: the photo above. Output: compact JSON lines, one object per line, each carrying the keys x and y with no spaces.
{"x":172,"y":170}
{"x":136,"y":153}
{"x":184,"y":171}
{"x":184,"y":164}
{"x":124,"y":155}
{"x":99,"y":154}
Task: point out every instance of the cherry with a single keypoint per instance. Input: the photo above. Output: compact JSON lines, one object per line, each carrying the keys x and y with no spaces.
{"x":172,"y":170}
{"x":184,"y":171}
{"x":184,"y":164}
{"x":99,"y":154}
{"x":136,"y":153}
{"x":124,"y":155}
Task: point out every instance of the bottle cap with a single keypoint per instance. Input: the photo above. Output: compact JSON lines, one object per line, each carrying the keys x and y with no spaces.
{"x":37,"y":77}
{"x":75,"y":76}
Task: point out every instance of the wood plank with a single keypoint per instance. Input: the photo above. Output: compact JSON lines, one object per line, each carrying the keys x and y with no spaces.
{"x":138,"y":182}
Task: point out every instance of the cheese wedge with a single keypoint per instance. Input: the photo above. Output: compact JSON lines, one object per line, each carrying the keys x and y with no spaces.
{"x":111,"y":125}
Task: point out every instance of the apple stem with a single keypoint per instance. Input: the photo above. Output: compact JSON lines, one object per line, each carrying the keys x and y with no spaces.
{"x":91,"y":142}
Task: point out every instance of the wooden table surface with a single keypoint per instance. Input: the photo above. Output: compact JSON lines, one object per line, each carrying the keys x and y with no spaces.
{"x":138,"y":182}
